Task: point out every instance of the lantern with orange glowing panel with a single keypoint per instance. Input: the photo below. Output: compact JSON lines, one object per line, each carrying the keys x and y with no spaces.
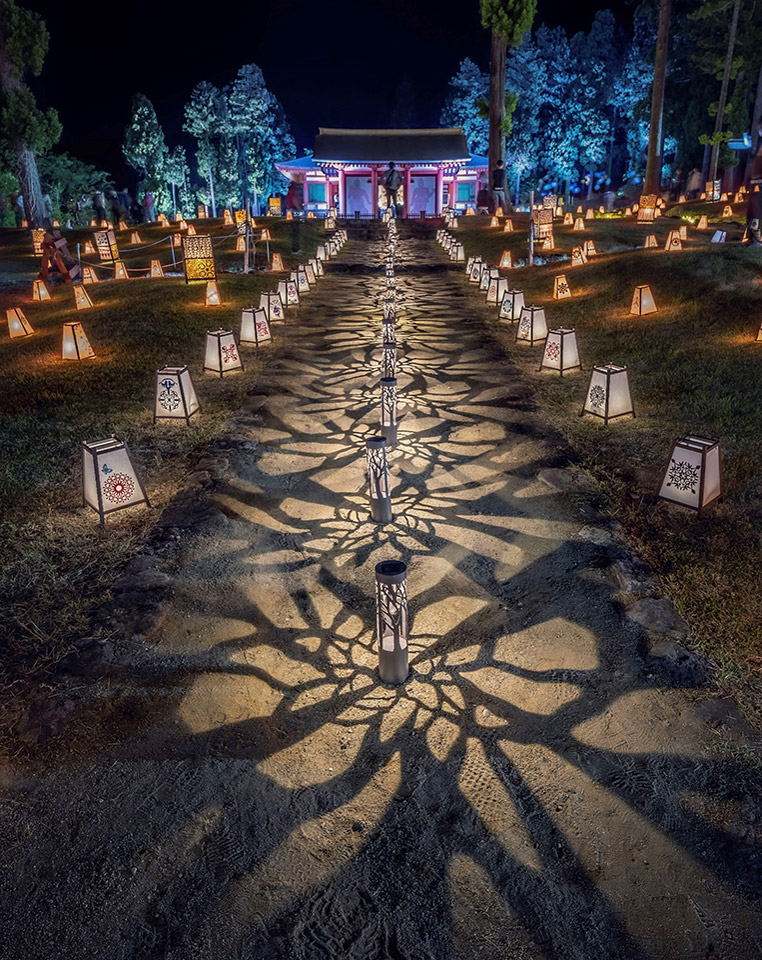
{"x":505,"y":260}
{"x":74,"y":343}
{"x":156,"y":269}
{"x":40,"y":291}
{"x":81,"y":297}
{"x":642,"y":301}
{"x":561,"y":289}
{"x":18,"y":325}
{"x":277,"y":264}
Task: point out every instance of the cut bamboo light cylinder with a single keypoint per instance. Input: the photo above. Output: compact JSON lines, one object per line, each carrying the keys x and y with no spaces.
{"x":608,"y":393}
{"x":110,"y":480}
{"x":561,"y":351}
{"x":74,"y":343}
{"x":511,"y":305}
{"x":532,"y":326}
{"x":642,"y":301}
{"x":389,"y":410}
{"x":392,"y":621}
{"x":693,"y":477}
{"x":254,"y":326}
{"x":561,"y":289}
{"x":18,"y":325}
{"x":175,"y":396}
{"x":378,"y":480}
{"x":221,"y":354}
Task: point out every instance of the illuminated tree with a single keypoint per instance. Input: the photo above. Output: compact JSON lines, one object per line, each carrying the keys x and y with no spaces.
{"x":205,"y":115}
{"x":145,"y":150}
{"x":177,"y":174}
{"x":466,"y":90}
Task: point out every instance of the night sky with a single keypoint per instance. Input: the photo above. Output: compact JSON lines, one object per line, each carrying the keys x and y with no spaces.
{"x":335,"y":64}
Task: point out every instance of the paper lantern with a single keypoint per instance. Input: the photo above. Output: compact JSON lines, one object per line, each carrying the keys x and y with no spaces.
{"x":681,"y":198}
{"x":590,"y":215}
{"x":683,"y":232}
{"x":57,"y":224}
{"x":177,"y":240}
{"x":310,"y":215}
{"x":532,"y":326}
{"x":547,"y":243}
{"x":673,"y":241}
{"x":221,"y":354}
{"x":724,"y":198}
{"x":561,"y":351}
{"x":703,"y":222}
{"x":608,"y":393}
{"x":727,"y":211}
{"x":240,"y":244}
{"x":317,"y":266}
{"x":272,"y":304}
{"x":198,"y":258}
{"x":74,"y":343}
{"x":121,"y":225}
{"x":693,"y":477}
{"x":88,"y":248}
{"x":628,"y":211}
{"x":156,"y":269}
{"x":277,"y":264}
{"x":488,"y":274}
{"x":392,"y":621}
{"x":579,"y":224}
{"x":175,"y":395}
{"x":457,"y":253}
{"x":89,"y":276}
{"x":702,"y":196}
{"x":498,"y":287}
{"x":181,"y":224}
{"x":477,"y":268}
{"x":718,"y":236}
{"x":201,"y":212}
{"x":120,"y":271}
{"x":511,"y":305}
{"x":162,"y":220}
{"x":647,"y":208}
{"x":589,"y":249}
{"x":499,"y":212}
{"x":568,"y":219}
{"x":227,"y":219}
{"x":378,"y":479}
{"x":738,"y":198}
{"x":303,"y":284}
{"x":505,"y":260}
{"x":18,"y":325}
{"x":561,"y":289}
{"x":110,"y":480}
{"x":310,"y":271}
{"x":470,"y":212}
{"x":642,"y":301}
{"x":289,"y":292}
{"x":579,"y":209}
{"x":254,"y":326}
{"x":38,"y":237}
{"x":578,"y":257}
{"x":508,"y":226}
{"x":389,"y":410}
{"x":93,"y":223}
{"x":82,"y":297}
{"x":213,"y":298}
{"x":135,"y":237}
{"x":265,"y":235}
{"x":320,"y":253}
{"x":191,"y":230}
{"x":40,"y":291}
{"x":650,"y":241}
{"x":494,"y":222}
{"x":105,"y":243}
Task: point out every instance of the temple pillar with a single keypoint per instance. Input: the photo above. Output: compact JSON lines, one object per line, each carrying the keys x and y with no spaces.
{"x":406,"y":200}
{"x":374,"y":190}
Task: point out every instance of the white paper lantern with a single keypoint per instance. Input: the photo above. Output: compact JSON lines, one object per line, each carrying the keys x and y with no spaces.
{"x":498,"y":287}
{"x":74,"y":343}
{"x":642,"y":301}
{"x":561,"y":289}
{"x":302,"y":281}
{"x":457,"y":253}
{"x":289,"y":294}
{"x":254,"y":326}
{"x":489,"y":273}
{"x":561,"y":351}
{"x":511,"y":305}
{"x":221,"y":354}
{"x":175,"y":396}
{"x":477,"y":267}
{"x":608,"y":393}
{"x":694,"y":474}
{"x":533,"y":327}
{"x":110,"y":481}
{"x":272,"y":304}
{"x":18,"y":325}
{"x":718,"y":236}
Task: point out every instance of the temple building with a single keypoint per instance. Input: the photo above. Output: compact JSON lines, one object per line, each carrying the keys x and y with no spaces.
{"x":347,"y":167}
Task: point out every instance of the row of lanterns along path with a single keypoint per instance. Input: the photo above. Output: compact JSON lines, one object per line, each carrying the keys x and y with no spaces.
{"x":110,"y":478}
{"x":693,"y":476}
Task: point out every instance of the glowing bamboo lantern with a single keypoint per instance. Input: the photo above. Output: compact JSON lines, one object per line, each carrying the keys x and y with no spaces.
{"x":718,"y":236}
{"x":221,"y":355}
{"x":578,"y":257}
{"x":289,"y":292}
{"x":608,"y":393}
{"x":650,"y":241}
{"x":277,"y":264}
{"x":265,"y":235}
{"x":227,"y":218}
{"x":511,"y":305}
{"x":18,"y":325}
{"x":642,"y":301}
{"x":508,"y":226}
{"x":673,"y":241}
{"x":110,"y":480}
{"x":590,"y":215}
{"x":703,"y":222}
{"x":505,"y":260}
{"x":494,"y":222}
{"x":561,"y":351}
{"x":457,"y":253}
{"x":254,"y":326}
{"x":175,"y":396}
{"x":82,"y":297}
{"x":498,"y":287}
{"x":589,"y":249}
{"x":392,"y":621}
{"x":579,"y":224}
{"x":88,"y":248}
{"x":74,"y":342}
{"x":727,"y":211}
{"x":683,"y":232}
{"x":40,"y":291}
{"x":561,"y":289}
{"x":693,"y":477}
{"x":378,"y":479}
{"x":389,"y":410}
{"x":272,"y":304}
{"x":568,"y":219}
{"x":532,"y":327}
{"x":156,"y":269}
{"x":120,"y":271}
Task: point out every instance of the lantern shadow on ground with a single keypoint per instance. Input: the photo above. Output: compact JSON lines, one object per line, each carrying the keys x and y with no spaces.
{"x":504,"y":790}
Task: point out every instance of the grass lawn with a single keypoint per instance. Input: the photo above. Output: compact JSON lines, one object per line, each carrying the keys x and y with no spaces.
{"x":55,"y":561}
{"x":694,"y":367}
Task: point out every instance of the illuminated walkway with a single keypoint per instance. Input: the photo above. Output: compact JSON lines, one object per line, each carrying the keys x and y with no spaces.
{"x":529,"y":792}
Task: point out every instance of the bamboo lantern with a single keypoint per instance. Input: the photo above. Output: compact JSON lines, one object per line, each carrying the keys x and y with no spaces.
{"x":254,"y":326}
{"x":673,"y":241}
{"x":498,"y":287}
{"x":457,"y":253}
{"x":561,"y":351}
{"x":120,"y":271}
{"x":532,"y":327}
{"x":578,"y":257}
{"x":589,"y":249}
{"x":82,"y":298}
{"x":277,"y":264}
{"x":88,"y":248}
{"x":227,"y":219}
{"x":18,"y":325}
{"x":608,"y":393}
{"x":272,"y":304}
{"x":289,"y":292}
{"x":718,"y":236}
{"x":110,"y":480}
{"x":568,"y":219}
{"x":642,"y":301}
{"x":650,"y":241}
{"x":494,"y":222}
{"x":40,"y":291}
{"x":135,"y":237}
{"x":590,"y":215}
{"x":221,"y":355}
{"x":175,"y":396}
{"x":505,"y":260}
{"x":265,"y":235}
{"x":561,"y":289}
{"x":74,"y":343}
{"x":683,"y":232}
{"x":693,"y":477}
{"x":579,"y":224}
{"x":727,"y":211}
{"x":703,"y":222}
{"x":508,"y":226}
{"x":392,"y":621}
{"x":378,"y":479}
{"x":511,"y":305}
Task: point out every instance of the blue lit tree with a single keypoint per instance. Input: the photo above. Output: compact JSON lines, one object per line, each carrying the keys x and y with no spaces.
{"x":465,"y":92}
{"x":145,"y":150}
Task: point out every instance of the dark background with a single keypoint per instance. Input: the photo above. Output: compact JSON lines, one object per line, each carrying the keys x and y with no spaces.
{"x":346,"y":63}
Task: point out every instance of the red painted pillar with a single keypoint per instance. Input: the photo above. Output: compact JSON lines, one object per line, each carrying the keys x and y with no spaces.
{"x":305,"y":195}
{"x":342,"y":194}
{"x":438,"y":197}
{"x":406,"y":199}
{"x":374,"y":190}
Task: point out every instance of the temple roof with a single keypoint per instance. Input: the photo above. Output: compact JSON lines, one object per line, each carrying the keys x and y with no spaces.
{"x":367,"y":146}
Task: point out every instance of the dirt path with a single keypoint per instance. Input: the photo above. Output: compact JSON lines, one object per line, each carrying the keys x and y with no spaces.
{"x":531,"y":792}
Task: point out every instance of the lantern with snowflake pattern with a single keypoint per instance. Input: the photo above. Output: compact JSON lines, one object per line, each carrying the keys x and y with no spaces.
{"x":561,"y":289}
{"x":175,"y":397}
{"x":561,"y":351}
{"x":608,"y":393}
{"x":693,"y":477}
{"x":110,"y":480}
{"x":511,"y":305}
{"x":221,"y":352}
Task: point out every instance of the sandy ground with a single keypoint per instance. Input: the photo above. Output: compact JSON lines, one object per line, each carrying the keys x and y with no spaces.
{"x":533,"y":791}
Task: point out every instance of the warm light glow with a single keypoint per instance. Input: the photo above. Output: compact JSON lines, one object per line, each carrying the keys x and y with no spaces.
{"x":650,"y":241}
{"x":579,"y":224}
{"x":289,"y":215}
{"x":156,"y":269}
{"x":82,"y":298}
{"x":38,"y":236}
{"x":681,"y":198}
{"x":628,"y":211}
{"x":642,"y":301}
{"x":683,"y":232}
{"x":89,"y":275}
{"x":265,"y":235}
{"x":561,"y":289}
{"x":590,"y":215}
{"x":673,"y":241}
{"x":198,"y":258}
{"x":18,"y":325}
{"x":578,"y":257}
{"x":589,"y":249}
{"x":222,"y":354}
{"x":227,"y":218}
{"x":568,"y":219}
{"x":647,"y":209}
{"x":505,"y":260}
{"x":75,"y":345}
{"x":120,"y":271}
{"x":191,"y":230}
{"x":105,"y":243}
{"x":724,"y":198}
{"x":494,"y":222}
{"x":470,"y":211}
{"x":40,"y":291}
{"x":277,"y":264}
{"x":213,"y":298}
{"x":727,"y":211}
{"x":508,"y":226}
{"x":499,"y":212}
{"x":121,"y":225}
{"x":88,"y":247}
{"x":135,"y":237}
{"x":693,"y":477}
{"x":703,"y":223}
